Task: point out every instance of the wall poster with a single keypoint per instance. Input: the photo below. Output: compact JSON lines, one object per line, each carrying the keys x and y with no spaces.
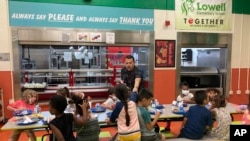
{"x":164,"y":53}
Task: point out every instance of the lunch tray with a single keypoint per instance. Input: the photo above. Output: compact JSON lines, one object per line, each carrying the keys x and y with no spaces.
{"x":159,"y":106}
{"x":99,"y":110}
{"x":23,"y":113}
{"x":34,"y":120}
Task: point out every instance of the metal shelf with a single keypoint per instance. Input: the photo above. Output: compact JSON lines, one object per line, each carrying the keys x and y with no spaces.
{"x":86,"y":85}
{"x":76,"y":76}
{"x":66,"y":70}
{"x":53,"y":91}
{"x":199,"y":71}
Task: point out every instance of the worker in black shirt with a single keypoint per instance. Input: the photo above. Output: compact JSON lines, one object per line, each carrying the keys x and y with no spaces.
{"x":131,"y":75}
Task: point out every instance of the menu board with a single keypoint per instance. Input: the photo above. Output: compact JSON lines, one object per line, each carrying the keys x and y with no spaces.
{"x":164,"y":53}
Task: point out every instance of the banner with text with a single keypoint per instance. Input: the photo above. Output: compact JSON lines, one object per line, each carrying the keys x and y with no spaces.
{"x":29,"y":14}
{"x":203,"y":14}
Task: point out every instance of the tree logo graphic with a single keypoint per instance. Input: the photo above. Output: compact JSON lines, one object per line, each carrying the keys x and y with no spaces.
{"x":187,"y":6}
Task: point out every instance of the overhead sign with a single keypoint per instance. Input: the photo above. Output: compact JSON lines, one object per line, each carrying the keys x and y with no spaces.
{"x":32,"y":14}
{"x":203,"y":14}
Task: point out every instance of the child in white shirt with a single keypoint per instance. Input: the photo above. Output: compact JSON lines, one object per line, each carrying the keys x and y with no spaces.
{"x":111,"y":101}
{"x":65,"y":92}
{"x":185,"y":97}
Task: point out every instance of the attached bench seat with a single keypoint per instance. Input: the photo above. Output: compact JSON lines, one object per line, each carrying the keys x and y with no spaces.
{"x":205,"y":138}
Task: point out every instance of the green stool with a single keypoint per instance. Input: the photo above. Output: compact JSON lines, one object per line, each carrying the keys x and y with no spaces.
{"x":168,"y":134}
{"x":104,"y":134}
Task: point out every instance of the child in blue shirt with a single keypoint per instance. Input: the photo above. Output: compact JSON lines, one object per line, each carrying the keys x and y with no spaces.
{"x":198,"y":118}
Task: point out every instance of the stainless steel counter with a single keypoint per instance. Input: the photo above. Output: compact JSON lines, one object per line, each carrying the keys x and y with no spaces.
{"x":199,"y":71}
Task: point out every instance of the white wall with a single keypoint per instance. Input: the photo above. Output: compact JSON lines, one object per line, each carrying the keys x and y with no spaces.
{"x":241,"y":41}
{"x":161,"y":30}
{"x":240,"y":32}
{"x":5,"y":40}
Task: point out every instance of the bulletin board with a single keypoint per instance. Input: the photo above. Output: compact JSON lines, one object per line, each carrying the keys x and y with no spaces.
{"x":164,"y":53}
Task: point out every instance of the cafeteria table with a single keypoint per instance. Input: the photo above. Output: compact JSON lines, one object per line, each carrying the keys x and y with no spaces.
{"x":12,"y":125}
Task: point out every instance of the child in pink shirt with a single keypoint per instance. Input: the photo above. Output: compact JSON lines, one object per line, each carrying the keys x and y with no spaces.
{"x":246,"y":116}
{"x":125,"y":113}
{"x":27,"y":102}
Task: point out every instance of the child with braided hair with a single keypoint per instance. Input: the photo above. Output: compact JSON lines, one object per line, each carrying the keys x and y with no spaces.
{"x":125,"y":113}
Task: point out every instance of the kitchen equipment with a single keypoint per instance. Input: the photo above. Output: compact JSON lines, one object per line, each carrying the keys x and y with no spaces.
{"x":28,"y":64}
{"x":200,"y":78}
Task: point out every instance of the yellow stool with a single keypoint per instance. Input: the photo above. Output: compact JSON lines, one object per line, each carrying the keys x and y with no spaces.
{"x":39,"y":139}
{"x":236,"y":123}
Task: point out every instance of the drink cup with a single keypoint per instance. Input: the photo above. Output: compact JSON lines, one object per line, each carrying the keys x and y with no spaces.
{"x":174,"y":103}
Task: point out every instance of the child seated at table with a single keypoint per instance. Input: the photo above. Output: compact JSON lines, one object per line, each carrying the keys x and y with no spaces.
{"x":62,"y":124}
{"x":146,"y":125}
{"x":27,"y":102}
{"x":111,"y":101}
{"x":65,"y":92}
{"x":198,"y":119}
{"x":222,"y":116}
{"x":91,"y":130}
{"x":125,"y":113}
{"x":184,"y":97}
{"x":211,"y":92}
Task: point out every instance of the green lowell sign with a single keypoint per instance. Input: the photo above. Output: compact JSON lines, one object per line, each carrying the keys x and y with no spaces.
{"x":29,"y":14}
{"x":203,"y":14}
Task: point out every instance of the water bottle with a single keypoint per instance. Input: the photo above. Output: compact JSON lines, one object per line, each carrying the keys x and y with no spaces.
{"x":97,"y":107}
{"x":156,"y":102}
{"x":174,"y":103}
{"x":181,"y":109}
{"x":153,"y":105}
{"x":208,"y":105}
{"x":37,"y":109}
